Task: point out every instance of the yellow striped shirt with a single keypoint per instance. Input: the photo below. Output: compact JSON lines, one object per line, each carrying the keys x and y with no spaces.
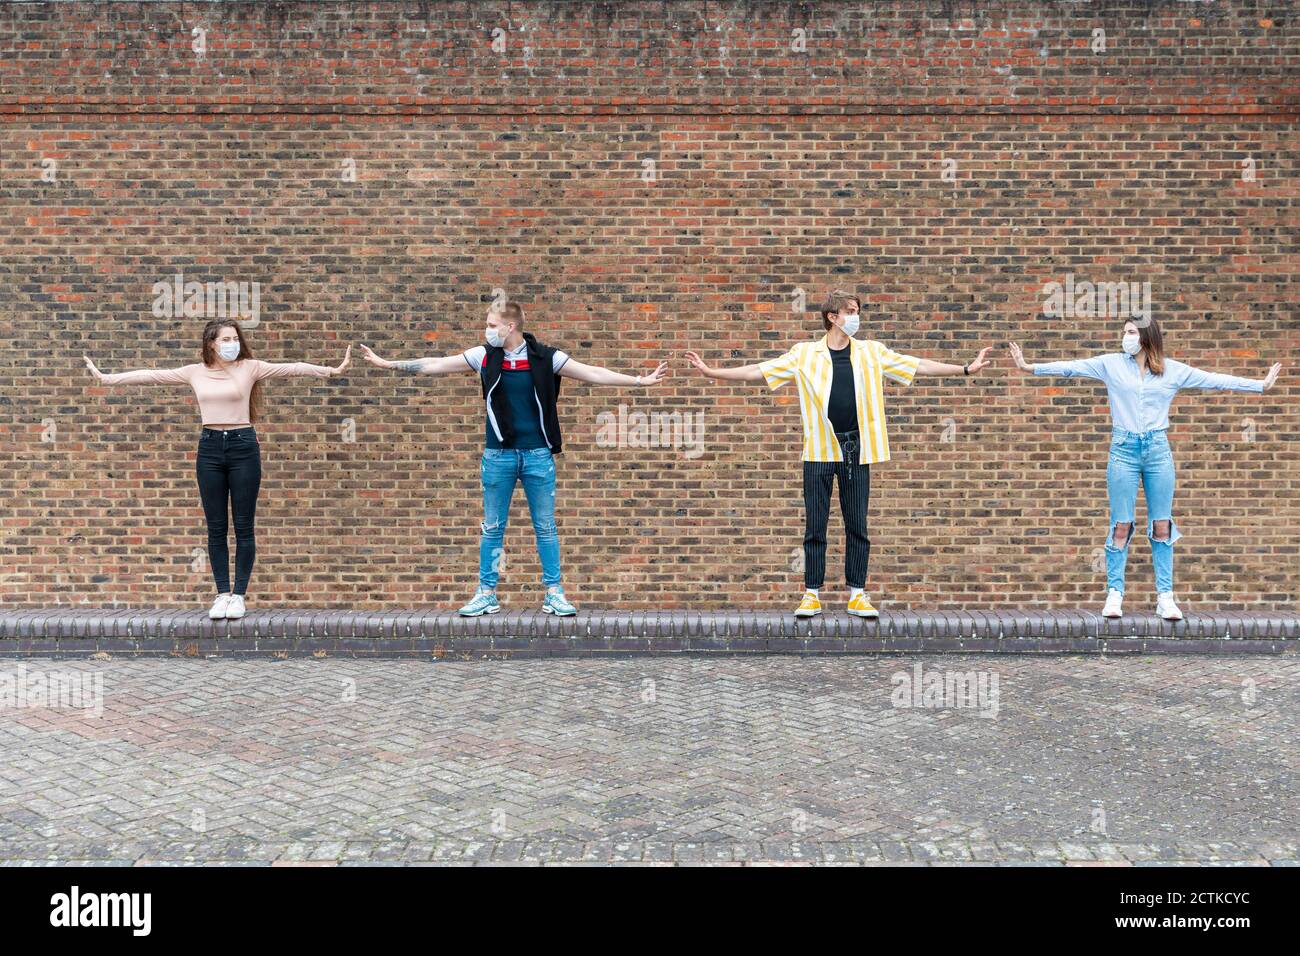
{"x":809,"y":364}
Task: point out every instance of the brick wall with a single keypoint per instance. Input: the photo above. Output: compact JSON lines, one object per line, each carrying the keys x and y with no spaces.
{"x":646,"y":178}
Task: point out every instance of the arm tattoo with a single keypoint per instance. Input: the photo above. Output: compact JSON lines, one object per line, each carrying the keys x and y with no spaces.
{"x":410,"y":368}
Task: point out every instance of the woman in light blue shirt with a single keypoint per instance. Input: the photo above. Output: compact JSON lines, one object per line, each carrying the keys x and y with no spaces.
{"x":1141,"y":384}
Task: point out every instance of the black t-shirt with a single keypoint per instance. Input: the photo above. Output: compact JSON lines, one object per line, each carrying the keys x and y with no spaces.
{"x":843,"y":408}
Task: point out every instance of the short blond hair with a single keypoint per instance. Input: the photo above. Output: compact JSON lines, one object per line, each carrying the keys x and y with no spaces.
{"x":512,"y":311}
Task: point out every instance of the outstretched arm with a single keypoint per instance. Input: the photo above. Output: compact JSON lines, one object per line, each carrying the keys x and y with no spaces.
{"x":143,"y":376}
{"x":603,"y":376}
{"x":926,"y":367}
{"x":1079,"y":368}
{"x":1196,"y":378}
{"x":743,"y":373}
{"x":433,"y":365}
{"x":288,"y":369}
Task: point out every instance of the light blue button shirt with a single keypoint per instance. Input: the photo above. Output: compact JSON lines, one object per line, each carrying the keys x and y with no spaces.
{"x":1140,"y":403}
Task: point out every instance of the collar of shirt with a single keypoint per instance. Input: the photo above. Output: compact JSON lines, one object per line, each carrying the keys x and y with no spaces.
{"x":516,"y":359}
{"x":1132,"y":362}
{"x":823,"y":345}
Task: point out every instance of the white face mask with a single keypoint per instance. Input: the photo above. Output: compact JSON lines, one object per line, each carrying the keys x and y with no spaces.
{"x":849,"y":324}
{"x":494,"y":338}
{"x":1132,"y":343}
{"x":228,"y":351}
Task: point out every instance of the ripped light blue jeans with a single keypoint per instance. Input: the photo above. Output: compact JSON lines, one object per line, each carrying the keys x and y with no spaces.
{"x":501,"y":469}
{"x":1145,"y":457}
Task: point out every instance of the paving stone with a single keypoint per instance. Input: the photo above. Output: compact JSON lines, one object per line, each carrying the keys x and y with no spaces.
{"x":780,"y":760}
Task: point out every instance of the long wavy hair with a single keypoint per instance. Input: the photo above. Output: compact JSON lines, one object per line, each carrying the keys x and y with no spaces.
{"x":210,"y":333}
{"x":1153,"y":343}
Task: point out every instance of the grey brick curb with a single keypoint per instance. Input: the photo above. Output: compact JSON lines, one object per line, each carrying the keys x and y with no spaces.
{"x":441,"y":634}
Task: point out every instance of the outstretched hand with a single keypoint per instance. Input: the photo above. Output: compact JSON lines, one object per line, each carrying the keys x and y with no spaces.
{"x":99,"y":376}
{"x":1272,"y":375}
{"x":370,"y":356}
{"x":1019,"y":357}
{"x":347,"y":360}
{"x":658,"y":375}
{"x":981,"y":360}
{"x":699,"y":363}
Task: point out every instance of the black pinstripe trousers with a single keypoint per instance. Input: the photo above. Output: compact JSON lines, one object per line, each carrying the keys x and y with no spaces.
{"x":855,"y":490}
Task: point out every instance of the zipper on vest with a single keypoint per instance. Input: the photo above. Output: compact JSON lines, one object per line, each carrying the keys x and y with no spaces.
{"x":541,"y":418}
{"x":492,"y":419}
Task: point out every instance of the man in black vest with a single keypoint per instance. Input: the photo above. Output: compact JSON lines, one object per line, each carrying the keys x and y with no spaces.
{"x":520,"y":379}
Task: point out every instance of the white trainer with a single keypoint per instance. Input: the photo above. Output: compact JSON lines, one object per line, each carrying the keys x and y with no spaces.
{"x":218,"y":610}
{"x":1167,"y":608}
{"x":1114,"y":604}
{"x":236,"y":607}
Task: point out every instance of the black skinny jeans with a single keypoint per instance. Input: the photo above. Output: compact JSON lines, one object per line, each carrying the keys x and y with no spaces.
{"x":229,"y":468}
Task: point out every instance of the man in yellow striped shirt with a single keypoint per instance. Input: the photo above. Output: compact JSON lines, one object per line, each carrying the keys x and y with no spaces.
{"x":842,"y":401}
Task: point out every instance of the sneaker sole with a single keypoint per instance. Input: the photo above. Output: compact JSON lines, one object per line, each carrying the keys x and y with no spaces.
{"x":807,"y":613}
{"x":488,"y":610}
{"x":547,"y":609}
{"x":870,"y":614}
{"x":1113,"y":617}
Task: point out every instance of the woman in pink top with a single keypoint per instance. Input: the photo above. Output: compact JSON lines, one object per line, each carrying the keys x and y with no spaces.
{"x":228,"y":385}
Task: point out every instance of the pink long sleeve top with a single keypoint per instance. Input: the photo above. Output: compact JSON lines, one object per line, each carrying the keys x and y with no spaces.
{"x":222,"y":393}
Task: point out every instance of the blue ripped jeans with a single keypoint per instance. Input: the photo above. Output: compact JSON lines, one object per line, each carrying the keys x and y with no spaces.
{"x":501,"y":469}
{"x":1145,"y":457}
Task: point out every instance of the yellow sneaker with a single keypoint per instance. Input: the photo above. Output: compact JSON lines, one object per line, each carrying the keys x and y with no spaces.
{"x":861,"y":607}
{"x":810,"y":605}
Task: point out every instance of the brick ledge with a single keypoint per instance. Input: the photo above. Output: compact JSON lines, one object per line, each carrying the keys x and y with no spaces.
{"x":599,"y":632}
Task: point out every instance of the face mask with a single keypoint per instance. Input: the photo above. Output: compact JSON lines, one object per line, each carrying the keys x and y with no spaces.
{"x":228,"y":351}
{"x":494,"y":338}
{"x":850,"y":325}
{"x":1132,"y":344}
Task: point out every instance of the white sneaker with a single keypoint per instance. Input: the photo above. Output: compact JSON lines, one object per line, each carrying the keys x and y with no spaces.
{"x":1167,"y":608}
{"x":236,"y":607}
{"x":219,"y":606}
{"x":1114,"y":604}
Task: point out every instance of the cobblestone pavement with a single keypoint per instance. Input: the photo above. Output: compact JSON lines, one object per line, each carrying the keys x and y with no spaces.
{"x":1055,"y":760}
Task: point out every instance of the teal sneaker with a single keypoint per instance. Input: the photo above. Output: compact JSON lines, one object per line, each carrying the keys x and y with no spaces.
{"x":556,"y":603}
{"x":483,"y":602}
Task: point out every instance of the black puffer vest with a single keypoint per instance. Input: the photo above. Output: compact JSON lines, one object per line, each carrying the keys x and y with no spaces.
{"x":546,"y":389}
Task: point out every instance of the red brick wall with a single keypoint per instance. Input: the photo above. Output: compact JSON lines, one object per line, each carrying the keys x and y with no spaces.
{"x":774,"y":171}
